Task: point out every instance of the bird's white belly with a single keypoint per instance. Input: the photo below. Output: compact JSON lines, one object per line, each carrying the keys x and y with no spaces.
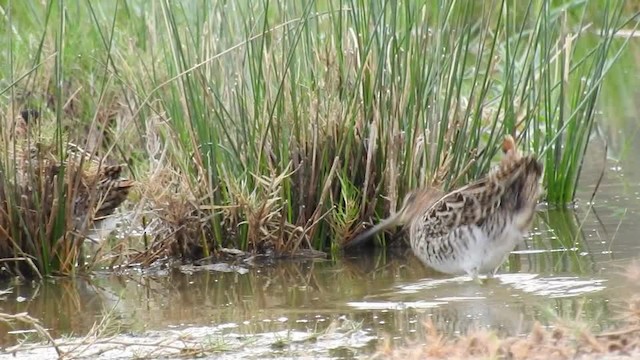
{"x":499,"y":249}
{"x":481,"y":255}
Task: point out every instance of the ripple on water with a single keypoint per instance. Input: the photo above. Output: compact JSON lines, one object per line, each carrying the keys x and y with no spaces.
{"x":555,"y":287}
{"x":393,"y":305}
{"x":505,"y":289}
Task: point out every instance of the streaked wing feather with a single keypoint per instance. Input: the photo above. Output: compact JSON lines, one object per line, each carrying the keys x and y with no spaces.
{"x":473,"y":203}
{"x":456,"y":209}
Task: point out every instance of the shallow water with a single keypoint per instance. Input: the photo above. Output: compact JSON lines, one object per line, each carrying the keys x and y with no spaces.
{"x":570,"y":268}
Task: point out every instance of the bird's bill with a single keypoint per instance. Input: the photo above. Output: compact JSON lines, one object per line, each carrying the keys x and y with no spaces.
{"x":386,"y":223}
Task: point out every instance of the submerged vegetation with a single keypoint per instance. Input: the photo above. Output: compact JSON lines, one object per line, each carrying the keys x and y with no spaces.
{"x":277,"y":127}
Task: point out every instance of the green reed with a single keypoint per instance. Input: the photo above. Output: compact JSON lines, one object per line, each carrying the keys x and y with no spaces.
{"x":383,"y":99}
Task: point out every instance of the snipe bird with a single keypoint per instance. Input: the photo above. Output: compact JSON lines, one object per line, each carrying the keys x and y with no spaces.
{"x":99,"y":195}
{"x":472,"y":229}
{"x":97,"y":189}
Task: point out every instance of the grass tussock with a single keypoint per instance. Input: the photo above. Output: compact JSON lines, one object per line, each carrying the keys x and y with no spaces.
{"x":276,"y":128}
{"x":562,"y":341}
{"x":50,"y":198}
{"x":317,"y":135}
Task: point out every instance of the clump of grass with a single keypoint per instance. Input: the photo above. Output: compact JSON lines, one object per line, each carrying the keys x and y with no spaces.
{"x":48,"y":202}
{"x":559,"y":342}
{"x":29,"y":220}
{"x":178,"y":218}
{"x":350,"y":107}
{"x":52,"y":192}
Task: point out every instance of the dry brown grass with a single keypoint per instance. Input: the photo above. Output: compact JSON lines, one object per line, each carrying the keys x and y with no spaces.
{"x":183,"y":216}
{"x":559,"y":342}
{"x":563,"y":341}
{"x":49,"y":204}
{"x":24,"y":318}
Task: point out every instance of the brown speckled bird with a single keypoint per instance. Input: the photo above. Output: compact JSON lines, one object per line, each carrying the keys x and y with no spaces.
{"x":472,"y":229}
{"x":97,"y":198}
{"x":96,"y":189}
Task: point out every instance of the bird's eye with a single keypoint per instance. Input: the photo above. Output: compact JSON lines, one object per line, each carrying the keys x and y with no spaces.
{"x":29,"y":114}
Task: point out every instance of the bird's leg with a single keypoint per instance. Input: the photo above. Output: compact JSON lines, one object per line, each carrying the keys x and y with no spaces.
{"x":474,"y":275}
{"x":493,"y":272}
